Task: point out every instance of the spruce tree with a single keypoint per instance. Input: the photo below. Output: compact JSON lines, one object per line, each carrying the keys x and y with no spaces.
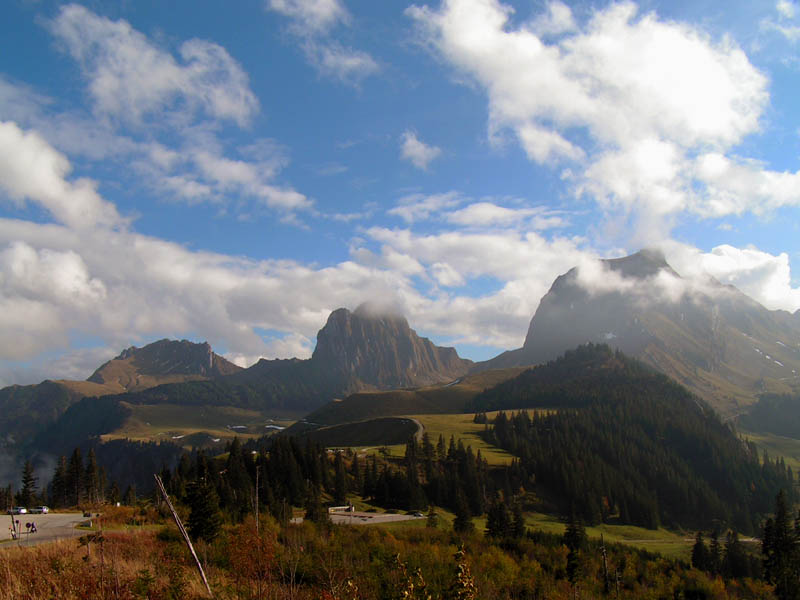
{"x":699,"y":553}
{"x":205,"y":519}
{"x":27,"y":494}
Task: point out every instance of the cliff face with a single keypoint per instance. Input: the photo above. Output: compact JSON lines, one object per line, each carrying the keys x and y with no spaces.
{"x":380,"y":349}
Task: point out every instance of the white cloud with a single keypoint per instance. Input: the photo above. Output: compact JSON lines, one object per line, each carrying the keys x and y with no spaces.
{"x":339,"y":62}
{"x":733,"y":187}
{"x":130,"y":77}
{"x":785,"y":8}
{"x":488,"y":214}
{"x":311,"y":15}
{"x":417,"y":152}
{"x":629,"y":99}
{"x":30,"y":169}
{"x":762,"y":276}
{"x":178,"y":151}
{"x":312,"y":21}
{"x":557,"y":20}
{"x":419,"y":207}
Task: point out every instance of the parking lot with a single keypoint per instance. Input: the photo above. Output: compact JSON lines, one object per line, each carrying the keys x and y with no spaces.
{"x":367,"y":518}
{"x":50,"y":527}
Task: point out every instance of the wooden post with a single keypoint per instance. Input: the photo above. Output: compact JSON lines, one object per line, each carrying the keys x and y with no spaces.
{"x":605,"y":564}
{"x":257,"y":515}
{"x":183,"y":533}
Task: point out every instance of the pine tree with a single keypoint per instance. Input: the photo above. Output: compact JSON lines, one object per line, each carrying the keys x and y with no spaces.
{"x":463,"y":521}
{"x":699,"y":553}
{"x":27,"y":494}
{"x":59,"y":488}
{"x":205,"y":519}
{"x":714,"y":554}
{"x":781,"y":552}
{"x":340,"y":480}
{"x":574,"y":539}
{"x":432,"y":522}
{"x":91,"y":479}
{"x":75,"y":478}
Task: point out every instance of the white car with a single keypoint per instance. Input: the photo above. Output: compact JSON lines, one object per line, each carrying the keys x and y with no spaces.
{"x":18,"y":510}
{"x":40,"y":510}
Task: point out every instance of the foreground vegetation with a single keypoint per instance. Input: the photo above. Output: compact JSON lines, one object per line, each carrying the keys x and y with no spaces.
{"x":320,"y":561}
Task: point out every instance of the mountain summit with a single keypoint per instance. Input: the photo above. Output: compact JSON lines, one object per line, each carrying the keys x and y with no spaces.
{"x":378,"y":348}
{"x":710,"y":337}
{"x":162,"y":362}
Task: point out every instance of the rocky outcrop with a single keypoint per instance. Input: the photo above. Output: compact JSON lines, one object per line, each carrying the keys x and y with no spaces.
{"x":161,"y":362}
{"x":379,"y":349}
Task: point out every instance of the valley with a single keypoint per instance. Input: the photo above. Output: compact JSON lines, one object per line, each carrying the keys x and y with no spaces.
{"x":632,"y":434}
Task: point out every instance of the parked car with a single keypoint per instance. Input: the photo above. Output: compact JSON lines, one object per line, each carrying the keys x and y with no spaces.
{"x":18,"y":510}
{"x":40,"y":510}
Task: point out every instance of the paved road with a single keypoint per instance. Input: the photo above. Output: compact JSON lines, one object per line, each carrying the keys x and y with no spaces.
{"x":50,"y":527}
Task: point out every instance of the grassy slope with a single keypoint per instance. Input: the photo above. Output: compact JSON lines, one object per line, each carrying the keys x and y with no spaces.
{"x":165,"y":421}
{"x":662,"y":541}
{"x":776,"y":445}
{"x":449,"y":398}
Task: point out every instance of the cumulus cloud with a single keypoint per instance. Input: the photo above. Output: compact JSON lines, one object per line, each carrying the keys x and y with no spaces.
{"x":178,"y":151}
{"x":417,"y":152}
{"x":557,"y":20}
{"x":30,"y":169}
{"x":312,"y":22}
{"x":130,"y":77}
{"x":630,"y":101}
{"x":763,"y":276}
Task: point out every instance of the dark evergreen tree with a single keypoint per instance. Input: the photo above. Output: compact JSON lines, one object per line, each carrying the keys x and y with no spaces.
{"x":700,"y":553}
{"x":91,"y":479}
{"x":736,"y":563}
{"x":59,"y":487}
{"x":75,"y":473}
{"x":781,"y":552}
{"x":205,"y":519}
{"x":463,"y":518}
{"x":27,"y":493}
{"x":340,"y":480}
{"x":574,"y":539}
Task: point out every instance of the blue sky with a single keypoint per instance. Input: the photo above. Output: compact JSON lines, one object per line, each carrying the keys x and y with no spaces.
{"x":234,"y":173}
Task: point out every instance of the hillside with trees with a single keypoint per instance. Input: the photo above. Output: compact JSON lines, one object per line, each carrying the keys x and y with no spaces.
{"x":627,"y":443}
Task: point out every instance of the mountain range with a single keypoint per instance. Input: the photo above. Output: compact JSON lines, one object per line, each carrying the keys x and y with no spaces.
{"x":710,"y":337}
{"x":368,"y":349}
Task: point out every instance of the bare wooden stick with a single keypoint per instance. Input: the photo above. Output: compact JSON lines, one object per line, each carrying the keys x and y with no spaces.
{"x":183,"y":533}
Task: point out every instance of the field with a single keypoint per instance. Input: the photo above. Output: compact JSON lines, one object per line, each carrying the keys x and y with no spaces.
{"x":777,"y":445}
{"x":660,"y":541}
{"x":449,"y":398}
{"x":185,"y":426}
{"x":462,"y":427}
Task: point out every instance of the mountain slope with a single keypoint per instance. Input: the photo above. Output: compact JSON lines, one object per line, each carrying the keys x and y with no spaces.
{"x":27,"y":410}
{"x":626,"y":442}
{"x":721,"y":344}
{"x":164,"y":361}
{"x":361,"y":350}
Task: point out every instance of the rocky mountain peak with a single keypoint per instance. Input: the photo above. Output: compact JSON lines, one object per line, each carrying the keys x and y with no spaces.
{"x":377,"y":347}
{"x":164,"y":358}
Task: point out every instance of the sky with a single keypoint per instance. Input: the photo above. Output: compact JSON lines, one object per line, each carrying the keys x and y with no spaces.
{"x":233,"y":172}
